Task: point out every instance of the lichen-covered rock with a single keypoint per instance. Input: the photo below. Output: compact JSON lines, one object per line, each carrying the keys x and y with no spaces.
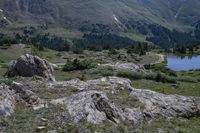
{"x":75,"y":83}
{"x":127,"y":66}
{"x":111,"y":81}
{"x":106,"y":83}
{"x":134,"y":115}
{"x":23,"y":94}
{"x":157,"y":104}
{"x":29,"y":65}
{"x":7,"y":100}
{"x":92,"y":106}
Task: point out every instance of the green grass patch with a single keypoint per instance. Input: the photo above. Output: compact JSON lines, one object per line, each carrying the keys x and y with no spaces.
{"x":181,"y":88}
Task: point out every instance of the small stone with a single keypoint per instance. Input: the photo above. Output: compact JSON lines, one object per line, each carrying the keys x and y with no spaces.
{"x":43,"y":119}
{"x":41,"y":128}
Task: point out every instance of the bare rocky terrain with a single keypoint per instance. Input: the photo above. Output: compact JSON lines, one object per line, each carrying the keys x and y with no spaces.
{"x":108,"y":99}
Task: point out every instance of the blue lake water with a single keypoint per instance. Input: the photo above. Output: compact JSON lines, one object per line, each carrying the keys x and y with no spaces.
{"x":183,"y":63}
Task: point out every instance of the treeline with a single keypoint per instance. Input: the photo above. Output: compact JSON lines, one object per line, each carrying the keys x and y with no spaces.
{"x":92,"y":41}
{"x":140,"y":48}
{"x":166,"y":38}
{"x":7,"y":40}
{"x":103,"y":41}
{"x":101,"y":37}
{"x":183,"y":49}
{"x":45,"y":40}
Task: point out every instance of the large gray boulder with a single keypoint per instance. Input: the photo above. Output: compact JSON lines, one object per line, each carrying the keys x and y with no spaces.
{"x":168,"y":106}
{"x":92,"y":106}
{"x":29,"y":65}
{"x":7,"y":100}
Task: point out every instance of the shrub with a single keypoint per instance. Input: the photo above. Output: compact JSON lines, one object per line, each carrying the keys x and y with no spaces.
{"x":6,"y":81}
{"x":129,"y":74}
{"x":159,"y":77}
{"x":78,"y":65}
{"x":78,"y":51}
{"x":171,"y":73}
{"x":187,"y":79}
{"x":59,"y":54}
{"x":104,"y":71}
{"x":163,"y":78}
{"x":112,"y":51}
{"x":2,"y":61}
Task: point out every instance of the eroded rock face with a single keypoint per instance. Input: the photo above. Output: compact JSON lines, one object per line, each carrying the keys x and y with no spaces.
{"x":24,"y":95}
{"x":92,"y":106}
{"x":29,"y":65}
{"x":7,"y":100}
{"x":157,"y":104}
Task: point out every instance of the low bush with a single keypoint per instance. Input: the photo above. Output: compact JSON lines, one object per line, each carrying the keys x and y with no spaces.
{"x":187,"y":79}
{"x":6,"y":81}
{"x":78,"y":65}
{"x":129,"y":74}
{"x":112,"y":51}
{"x":2,"y":61}
{"x":104,"y":71}
{"x":160,"y":77}
{"x":78,"y":51}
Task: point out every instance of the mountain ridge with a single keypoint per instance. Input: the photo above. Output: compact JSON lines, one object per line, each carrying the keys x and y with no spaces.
{"x":106,"y":12}
{"x":114,"y":16}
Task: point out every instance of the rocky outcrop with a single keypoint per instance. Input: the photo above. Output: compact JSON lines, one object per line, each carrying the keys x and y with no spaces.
{"x":75,"y":83}
{"x":134,"y":115}
{"x":7,"y":100}
{"x":24,"y":95}
{"x":127,"y":66}
{"x":157,"y":104}
{"x":29,"y":65}
{"x":92,"y":106}
{"x":111,"y":83}
{"x":17,"y":92}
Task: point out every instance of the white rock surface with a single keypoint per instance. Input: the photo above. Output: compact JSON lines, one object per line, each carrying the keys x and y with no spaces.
{"x":127,"y":66}
{"x":92,"y":106}
{"x":7,"y":100}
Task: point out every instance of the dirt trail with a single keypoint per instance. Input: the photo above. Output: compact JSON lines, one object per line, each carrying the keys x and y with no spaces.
{"x":160,"y":60}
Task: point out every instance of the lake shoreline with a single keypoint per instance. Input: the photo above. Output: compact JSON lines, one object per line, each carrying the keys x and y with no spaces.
{"x":186,"y":63}
{"x":160,"y":60}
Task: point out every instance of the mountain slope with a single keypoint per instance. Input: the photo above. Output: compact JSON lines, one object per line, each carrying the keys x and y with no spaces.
{"x":167,"y":13}
{"x":115,"y":15}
